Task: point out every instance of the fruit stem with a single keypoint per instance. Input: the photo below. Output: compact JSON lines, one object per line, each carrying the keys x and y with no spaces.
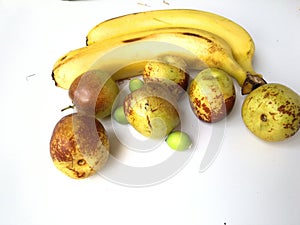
{"x":68,"y":107}
{"x":252,"y":82}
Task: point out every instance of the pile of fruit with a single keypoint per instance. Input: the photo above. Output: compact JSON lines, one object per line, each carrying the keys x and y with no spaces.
{"x":164,"y":47}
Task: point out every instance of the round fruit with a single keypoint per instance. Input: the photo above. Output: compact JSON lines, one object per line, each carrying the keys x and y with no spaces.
{"x":212,"y":95}
{"x":168,"y":73}
{"x":151,"y":110}
{"x":135,"y":84}
{"x":272,"y":112}
{"x":93,"y":93}
{"x":179,"y":141}
{"x":119,"y":115}
{"x":79,"y":146}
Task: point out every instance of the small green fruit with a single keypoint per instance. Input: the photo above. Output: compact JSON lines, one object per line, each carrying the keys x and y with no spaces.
{"x":179,"y":141}
{"x":212,"y":95}
{"x":272,"y":112}
{"x":119,"y":115}
{"x":135,"y":84}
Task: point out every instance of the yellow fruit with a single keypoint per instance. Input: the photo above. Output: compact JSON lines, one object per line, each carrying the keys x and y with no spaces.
{"x":173,"y":77}
{"x":79,"y":146}
{"x":152,"y":21}
{"x":212,"y":95}
{"x":151,"y":110}
{"x":272,"y":112}
{"x":126,"y":56}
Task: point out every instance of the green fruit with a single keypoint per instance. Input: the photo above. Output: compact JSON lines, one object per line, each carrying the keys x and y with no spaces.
{"x":135,"y":84}
{"x":119,"y":115}
{"x":79,"y":146}
{"x":272,"y":112}
{"x":179,"y":141}
{"x":93,"y":93}
{"x":152,"y":110}
{"x":169,"y":73}
{"x":212,"y":95}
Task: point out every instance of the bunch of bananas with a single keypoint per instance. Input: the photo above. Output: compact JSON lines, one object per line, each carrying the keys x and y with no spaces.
{"x":202,"y":39}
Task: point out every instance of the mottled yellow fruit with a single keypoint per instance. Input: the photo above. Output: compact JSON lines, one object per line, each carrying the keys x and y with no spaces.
{"x":79,"y":146}
{"x":272,"y":112}
{"x":212,"y":95}
{"x":171,"y":74}
{"x":152,"y":110}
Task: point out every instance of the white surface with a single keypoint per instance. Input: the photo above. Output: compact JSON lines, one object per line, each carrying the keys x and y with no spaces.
{"x":251,"y":181}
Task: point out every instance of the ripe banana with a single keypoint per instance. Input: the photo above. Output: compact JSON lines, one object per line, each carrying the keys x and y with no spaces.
{"x":237,"y":37}
{"x":127,"y":57}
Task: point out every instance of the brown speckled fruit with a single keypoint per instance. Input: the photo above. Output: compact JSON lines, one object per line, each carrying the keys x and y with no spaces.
{"x":79,"y":146}
{"x":171,"y":74}
{"x":272,"y":112}
{"x":93,"y":93}
{"x":212,"y":95}
{"x":152,"y":110}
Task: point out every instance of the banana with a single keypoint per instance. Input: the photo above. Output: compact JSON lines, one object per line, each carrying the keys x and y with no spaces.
{"x":237,"y":37}
{"x":124,"y":58}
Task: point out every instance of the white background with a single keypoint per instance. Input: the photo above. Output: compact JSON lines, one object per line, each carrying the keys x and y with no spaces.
{"x":251,"y":181}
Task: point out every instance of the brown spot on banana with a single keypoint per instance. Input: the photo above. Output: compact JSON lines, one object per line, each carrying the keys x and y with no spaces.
{"x":161,"y":21}
{"x":133,"y":39}
{"x":197,"y":35}
{"x":184,"y":33}
{"x":53,"y":78}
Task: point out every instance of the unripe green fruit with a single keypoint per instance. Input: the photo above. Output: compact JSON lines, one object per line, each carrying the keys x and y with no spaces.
{"x":272,"y":112}
{"x":135,"y":84}
{"x":119,"y":115}
{"x":179,"y":141}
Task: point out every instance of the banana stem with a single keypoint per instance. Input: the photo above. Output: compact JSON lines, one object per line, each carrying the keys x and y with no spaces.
{"x":252,"y":82}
